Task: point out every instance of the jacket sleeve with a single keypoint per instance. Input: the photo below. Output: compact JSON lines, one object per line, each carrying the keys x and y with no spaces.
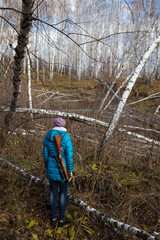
{"x":45,"y":151}
{"x":69,"y":154}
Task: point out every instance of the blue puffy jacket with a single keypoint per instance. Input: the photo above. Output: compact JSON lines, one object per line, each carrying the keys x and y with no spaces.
{"x":49,"y":150}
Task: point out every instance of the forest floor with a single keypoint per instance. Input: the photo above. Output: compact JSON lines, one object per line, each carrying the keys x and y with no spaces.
{"x":25,"y":214}
{"x":124,"y":186}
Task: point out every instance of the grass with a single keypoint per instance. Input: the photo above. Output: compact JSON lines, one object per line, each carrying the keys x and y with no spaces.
{"x":64,"y":84}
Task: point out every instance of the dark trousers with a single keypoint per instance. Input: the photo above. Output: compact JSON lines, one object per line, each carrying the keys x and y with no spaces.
{"x":54,"y":186}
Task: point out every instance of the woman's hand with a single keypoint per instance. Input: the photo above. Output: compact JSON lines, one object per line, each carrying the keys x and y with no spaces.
{"x":70,"y":176}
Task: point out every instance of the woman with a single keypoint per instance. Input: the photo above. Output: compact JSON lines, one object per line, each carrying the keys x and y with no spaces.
{"x":53,"y":173}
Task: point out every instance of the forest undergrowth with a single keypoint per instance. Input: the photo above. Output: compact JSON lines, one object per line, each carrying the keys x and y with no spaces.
{"x":127,"y":193}
{"x":125,"y":185}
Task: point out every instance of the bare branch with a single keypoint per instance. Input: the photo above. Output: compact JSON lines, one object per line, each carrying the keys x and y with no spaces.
{"x":143,"y":99}
{"x":9,"y":23}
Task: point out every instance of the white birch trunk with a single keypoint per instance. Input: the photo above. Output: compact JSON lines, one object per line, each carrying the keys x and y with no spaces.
{"x":37,"y":60}
{"x":156,"y":68}
{"x":157,"y":77}
{"x":116,"y":93}
{"x":51,"y":68}
{"x":36,"y":48}
{"x":29,"y":84}
{"x":43,"y":73}
{"x":126,"y":93}
{"x":150,"y":7}
{"x":111,"y":223}
{"x":24,"y":66}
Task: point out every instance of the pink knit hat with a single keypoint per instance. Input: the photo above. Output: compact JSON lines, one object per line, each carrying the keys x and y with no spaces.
{"x":59,"y":122}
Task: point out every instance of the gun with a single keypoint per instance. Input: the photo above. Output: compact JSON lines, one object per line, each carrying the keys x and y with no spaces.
{"x":60,"y":167}
{"x":57,"y":139}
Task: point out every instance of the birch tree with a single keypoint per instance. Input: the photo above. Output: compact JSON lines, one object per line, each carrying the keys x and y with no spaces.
{"x":23,"y":37}
{"x":126,"y":93}
{"x":29,"y":83}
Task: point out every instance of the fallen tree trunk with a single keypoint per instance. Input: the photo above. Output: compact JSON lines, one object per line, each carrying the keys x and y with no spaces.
{"x":83,"y":119}
{"x":106,"y":220}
